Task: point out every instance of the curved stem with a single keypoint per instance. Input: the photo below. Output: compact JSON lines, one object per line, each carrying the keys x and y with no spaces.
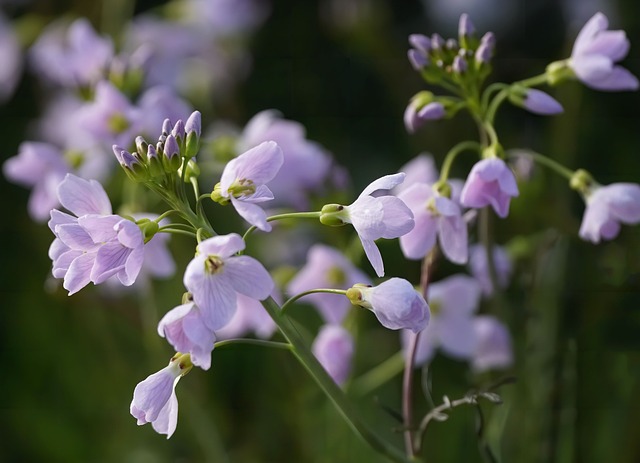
{"x":533,"y":81}
{"x":494,"y":105}
{"x":177,"y":232}
{"x":166,"y":214}
{"x":437,"y":414}
{"x":551,"y":164}
{"x":378,"y":375}
{"x":253,"y":342}
{"x":487,"y":94}
{"x":329,"y":387}
{"x":291,"y":300}
{"x":289,"y":215}
{"x":453,"y":153}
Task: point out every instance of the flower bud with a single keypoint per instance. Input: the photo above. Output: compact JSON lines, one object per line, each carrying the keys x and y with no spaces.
{"x":333,"y":215}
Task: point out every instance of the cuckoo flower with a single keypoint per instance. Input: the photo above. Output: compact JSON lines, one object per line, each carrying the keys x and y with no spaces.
{"x":215,"y":276}
{"x":421,"y":169}
{"x":250,"y":316}
{"x":244,"y":178}
{"x":607,"y":207}
{"x":333,"y":347}
{"x":480,"y":267}
{"x":327,"y":268}
{"x":453,"y":302}
{"x":396,"y":304}
{"x":435,"y":216}
{"x":186,"y":332}
{"x":373,"y":217}
{"x":595,"y":52}
{"x":154,"y":399}
{"x":493,"y":349}
{"x":94,"y":244}
{"x":490,"y":182}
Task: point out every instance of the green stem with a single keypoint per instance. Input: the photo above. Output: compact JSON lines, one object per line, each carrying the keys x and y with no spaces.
{"x":378,"y":375}
{"x":453,"y":153}
{"x":293,"y":299}
{"x":329,"y":387}
{"x":176,"y":231}
{"x":533,"y":81}
{"x":487,"y":94}
{"x":551,"y":164}
{"x":254,"y":342}
{"x":166,"y":214}
{"x":289,"y":215}
{"x":504,"y":93}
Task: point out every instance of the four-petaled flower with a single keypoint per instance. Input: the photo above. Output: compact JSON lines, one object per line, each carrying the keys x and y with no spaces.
{"x":490,"y":182}
{"x":607,"y":207}
{"x":594,"y":53}
{"x":215,"y":276}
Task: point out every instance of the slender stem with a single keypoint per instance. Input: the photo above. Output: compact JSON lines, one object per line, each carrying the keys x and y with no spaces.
{"x":453,"y":153}
{"x":166,"y":214}
{"x":329,"y":387}
{"x":533,"y":81}
{"x":254,"y":342}
{"x":378,"y":375}
{"x":176,"y":231}
{"x":407,"y":394}
{"x":289,"y":215}
{"x":488,"y":91}
{"x":494,"y":105}
{"x":291,"y":300}
{"x":550,"y":163}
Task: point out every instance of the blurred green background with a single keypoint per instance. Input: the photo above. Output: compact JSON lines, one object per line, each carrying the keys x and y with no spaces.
{"x":340,"y":68}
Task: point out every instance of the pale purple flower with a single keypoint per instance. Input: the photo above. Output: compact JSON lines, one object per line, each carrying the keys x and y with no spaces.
{"x":453,"y":302}
{"x":435,"y":216}
{"x":94,"y":245}
{"x":72,"y":57}
{"x":306,"y":164}
{"x":334,"y":347}
{"x":378,"y":217}
{"x":539,"y":102}
{"x":10,"y":57}
{"x":216,"y":275}
{"x":595,"y":52}
{"x":484,"y":53}
{"x":395,"y":303}
{"x":465,"y":26}
{"x":250,"y":316}
{"x":417,"y":113}
{"x":480,"y":268}
{"x":421,"y":169}
{"x":244,"y":179}
{"x":419,"y":54}
{"x":110,"y":117}
{"x":493,"y":349}
{"x":490,"y":182}
{"x":154,"y":399}
{"x":607,"y":207}
{"x":327,"y":267}
{"x":186,"y":331}
{"x":42,"y":167}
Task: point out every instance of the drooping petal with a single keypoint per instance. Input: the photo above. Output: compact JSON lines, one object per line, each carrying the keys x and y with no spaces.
{"x":373,"y":254}
{"x":110,"y":259}
{"x":252,"y":213}
{"x":397,"y":305}
{"x":132,"y":266}
{"x":79,"y":273}
{"x":618,"y":79}
{"x":397,"y":219}
{"x":167,"y":419}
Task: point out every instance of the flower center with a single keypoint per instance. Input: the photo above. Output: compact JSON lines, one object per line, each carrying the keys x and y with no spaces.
{"x":242,"y":187}
{"x":213,"y":264}
{"x":118,"y":123}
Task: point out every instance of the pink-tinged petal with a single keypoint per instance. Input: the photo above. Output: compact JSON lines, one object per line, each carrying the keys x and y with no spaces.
{"x":618,"y":79}
{"x":152,"y":395}
{"x":252,"y":213}
{"x":489,"y":169}
{"x":457,"y":335}
{"x":447,"y":207}
{"x":202,"y":339}
{"x":132,"y":266}
{"x":260,"y":164}
{"x":398,"y":218}
{"x":453,"y":237}
{"x":222,"y":245}
{"x":334,"y":347}
{"x":367,"y":217}
{"x":507,"y":182}
{"x":419,"y":241}
{"x":383,"y":183}
{"x":75,"y":237}
{"x":59,"y":218}
{"x":79,"y":273}
{"x":373,"y":254}
{"x":596,"y":24}
{"x":457,"y":295}
{"x":167,"y":419}
{"x":397,"y":305}
{"x":100,"y":228}
{"x":170,"y":318}
{"x":83,"y":196}
{"x":249,"y":277}
{"x":110,"y":259}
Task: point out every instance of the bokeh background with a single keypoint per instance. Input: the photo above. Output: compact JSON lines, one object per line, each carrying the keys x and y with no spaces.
{"x":339,"y":67}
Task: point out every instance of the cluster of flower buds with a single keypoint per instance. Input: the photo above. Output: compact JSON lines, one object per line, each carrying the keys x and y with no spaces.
{"x":176,"y":144}
{"x":451,"y":60}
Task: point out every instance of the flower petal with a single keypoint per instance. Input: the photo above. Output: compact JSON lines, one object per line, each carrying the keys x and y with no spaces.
{"x":252,"y":213}
{"x":83,"y":196}
{"x":374,"y":256}
{"x":383,"y":183}
{"x":222,"y":245}
{"x":249,"y":277}
{"x":79,"y":273}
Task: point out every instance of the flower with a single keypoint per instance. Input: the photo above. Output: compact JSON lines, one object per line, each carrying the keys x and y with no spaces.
{"x":250,"y":316}
{"x":396,"y":304}
{"x":539,"y":102}
{"x":418,"y":112}
{"x":453,"y":302}
{"x":95,"y":244}
{"x":480,"y":268}
{"x":421,"y":169}
{"x":490,"y":182}
{"x":607,"y":207}
{"x":595,"y":51}
{"x":215,"y":276}
{"x":327,"y":267}
{"x":243,"y":181}
{"x":333,"y":347}
{"x":435,"y":216}
{"x":186,"y":332}
{"x":154,"y":399}
{"x":493,"y":349}
{"x":306,"y":165}
{"x":373,"y":217}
